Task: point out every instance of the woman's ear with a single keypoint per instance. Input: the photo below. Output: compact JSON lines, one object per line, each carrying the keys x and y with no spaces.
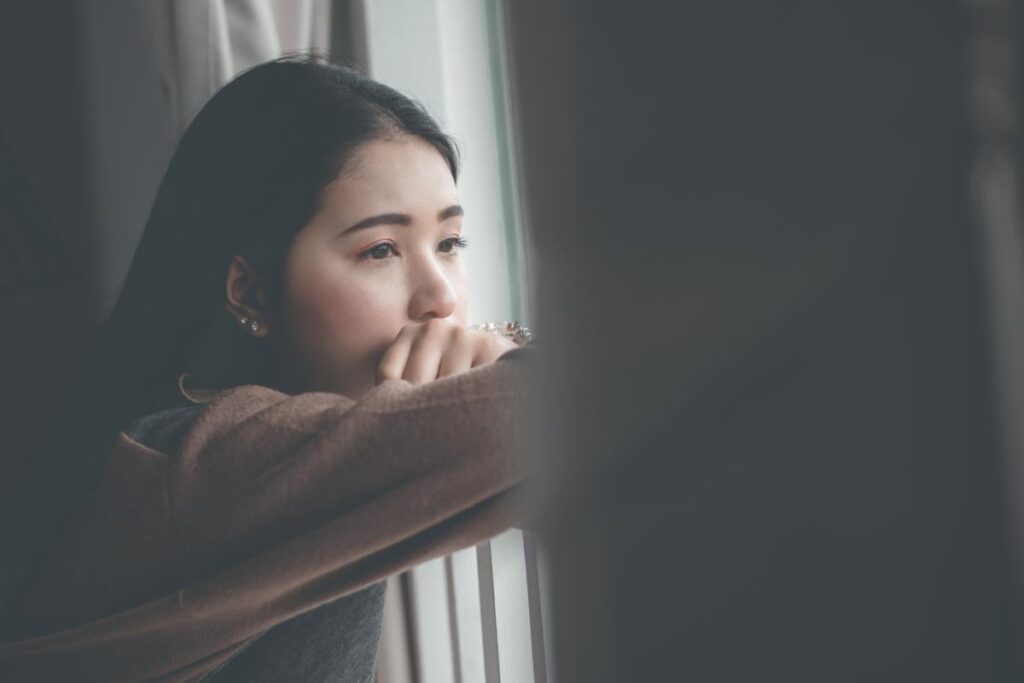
{"x":246,"y":297}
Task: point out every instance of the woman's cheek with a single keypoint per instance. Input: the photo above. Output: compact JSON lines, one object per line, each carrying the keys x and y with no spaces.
{"x":342,"y":317}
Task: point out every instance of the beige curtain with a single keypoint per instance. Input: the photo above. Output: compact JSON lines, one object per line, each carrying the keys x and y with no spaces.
{"x":199,"y":45}
{"x":148,"y":68}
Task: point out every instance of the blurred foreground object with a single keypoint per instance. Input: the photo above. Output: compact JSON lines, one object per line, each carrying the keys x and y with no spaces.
{"x":776,"y":439}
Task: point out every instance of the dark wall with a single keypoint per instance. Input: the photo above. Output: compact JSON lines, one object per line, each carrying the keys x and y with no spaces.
{"x":761,"y":292}
{"x":41,"y":129}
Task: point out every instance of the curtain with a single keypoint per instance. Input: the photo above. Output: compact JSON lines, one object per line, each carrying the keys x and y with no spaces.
{"x":200,"y":45}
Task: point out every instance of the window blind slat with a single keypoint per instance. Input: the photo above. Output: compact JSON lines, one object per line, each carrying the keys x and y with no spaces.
{"x":511,"y":607}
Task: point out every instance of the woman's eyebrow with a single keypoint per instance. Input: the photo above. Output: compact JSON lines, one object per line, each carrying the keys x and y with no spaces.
{"x":400,"y":219}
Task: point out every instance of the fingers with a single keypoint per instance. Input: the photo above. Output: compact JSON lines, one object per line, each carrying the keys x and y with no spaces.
{"x":459,"y":354}
{"x":425,"y":355}
{"x":438,"y":348}
{"x":416,"y":353}
{"x":392,"y":362}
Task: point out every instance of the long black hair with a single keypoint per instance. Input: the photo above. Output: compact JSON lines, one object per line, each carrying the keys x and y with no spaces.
{"x":247,"y":175}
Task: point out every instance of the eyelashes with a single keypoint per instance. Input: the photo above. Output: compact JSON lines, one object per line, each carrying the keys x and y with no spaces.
{"x":380,"y":252}
{"x":457,"y":242}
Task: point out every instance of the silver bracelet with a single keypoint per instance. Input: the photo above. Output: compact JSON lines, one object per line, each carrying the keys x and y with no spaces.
{"x":512,"y":329}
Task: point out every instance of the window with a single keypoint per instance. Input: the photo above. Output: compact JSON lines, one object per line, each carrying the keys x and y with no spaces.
{"x":479,"y":614}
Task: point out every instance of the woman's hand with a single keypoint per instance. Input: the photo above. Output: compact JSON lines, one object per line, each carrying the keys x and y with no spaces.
{"x":423,"y":352}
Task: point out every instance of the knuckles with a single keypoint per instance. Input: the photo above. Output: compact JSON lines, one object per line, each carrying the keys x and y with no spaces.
{"x":486,"y":346}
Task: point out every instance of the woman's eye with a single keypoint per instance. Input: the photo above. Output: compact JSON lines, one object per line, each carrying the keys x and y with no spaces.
{"x":375,"y":252}
{"x":385,"y":250}
{"x":454,"y":242}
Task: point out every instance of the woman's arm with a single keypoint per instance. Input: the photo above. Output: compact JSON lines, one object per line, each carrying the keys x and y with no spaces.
{"x":260,"y":468}
{"x":275,"y":505}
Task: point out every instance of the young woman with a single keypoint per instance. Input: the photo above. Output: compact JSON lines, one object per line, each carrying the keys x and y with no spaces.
{"x":285,"y":407}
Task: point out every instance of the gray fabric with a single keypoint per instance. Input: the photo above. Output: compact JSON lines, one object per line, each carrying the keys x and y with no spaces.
{"x":335,"y":643}
{"x":164,"y":429}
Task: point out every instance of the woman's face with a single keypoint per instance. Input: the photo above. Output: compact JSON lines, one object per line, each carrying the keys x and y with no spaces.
{"x":382,"y":253}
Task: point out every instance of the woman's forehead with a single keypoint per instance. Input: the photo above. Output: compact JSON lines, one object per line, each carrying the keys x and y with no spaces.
{"x":396,"y":167}
{"x":394,"y":176}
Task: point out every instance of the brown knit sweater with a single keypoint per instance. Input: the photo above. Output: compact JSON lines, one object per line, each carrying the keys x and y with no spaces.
{"x":273,"y":505}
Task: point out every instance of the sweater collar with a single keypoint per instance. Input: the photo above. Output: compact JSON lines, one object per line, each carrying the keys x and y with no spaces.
{"x":196,"y":394}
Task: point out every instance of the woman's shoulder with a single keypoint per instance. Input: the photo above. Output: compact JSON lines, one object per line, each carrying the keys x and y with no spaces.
{"x":165,"y":429}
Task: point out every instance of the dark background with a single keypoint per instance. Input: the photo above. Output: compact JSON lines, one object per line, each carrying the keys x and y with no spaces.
{"x":48,"y":306}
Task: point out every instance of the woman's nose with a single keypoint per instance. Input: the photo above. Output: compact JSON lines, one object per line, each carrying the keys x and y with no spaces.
{"x":433,"y":295}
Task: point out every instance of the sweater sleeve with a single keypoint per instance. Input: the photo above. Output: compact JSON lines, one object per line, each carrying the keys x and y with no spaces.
{"x":262,"y":469}
{"x":273,"y":506}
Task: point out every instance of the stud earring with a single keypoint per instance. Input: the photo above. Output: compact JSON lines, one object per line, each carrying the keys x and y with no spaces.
{"x":253,"y":325}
